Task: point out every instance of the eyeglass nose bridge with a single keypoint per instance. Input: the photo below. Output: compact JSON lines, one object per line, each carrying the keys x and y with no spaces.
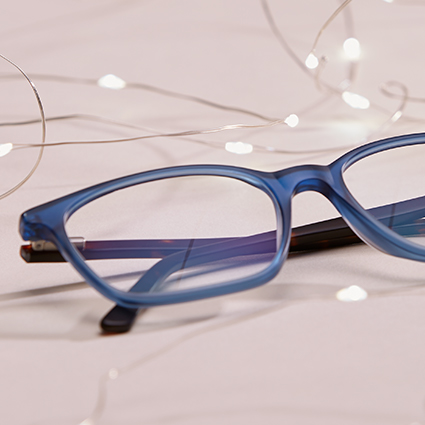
{"x":304,"y":178}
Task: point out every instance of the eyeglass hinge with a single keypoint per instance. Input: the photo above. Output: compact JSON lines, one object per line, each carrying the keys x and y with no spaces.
{"x":43,"y":245}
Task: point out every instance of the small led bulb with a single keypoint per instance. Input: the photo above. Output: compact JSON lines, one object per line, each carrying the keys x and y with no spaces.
{"x":355,"y":100}
{"x":111,"y":81}
{"x":352,"y":293}
{"x":5,"y":148}
{"x":292,"y":120}
{"x":239,"y":147}
{"x":113,"y":373}
{"x":352,"y":48}
{"x":311,"y":62}
{"x":396,"y":116}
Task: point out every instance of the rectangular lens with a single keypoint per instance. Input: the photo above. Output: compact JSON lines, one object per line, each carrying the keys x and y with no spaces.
{"x":180,"y":233}
{"x":391,"y":185}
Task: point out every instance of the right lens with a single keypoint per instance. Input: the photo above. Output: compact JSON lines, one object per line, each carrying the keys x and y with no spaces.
{"x":393,"y":180}
{"x":20,"y":123}
{"x":193,"y":231}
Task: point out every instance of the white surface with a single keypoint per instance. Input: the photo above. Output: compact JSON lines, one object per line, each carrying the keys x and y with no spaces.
{"x":288,"y":352}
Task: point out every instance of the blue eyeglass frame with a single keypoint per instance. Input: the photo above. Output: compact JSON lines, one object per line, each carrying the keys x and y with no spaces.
{"x":47,"y":222}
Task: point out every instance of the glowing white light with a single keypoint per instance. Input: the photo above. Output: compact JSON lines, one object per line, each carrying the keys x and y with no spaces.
{"x":396,"y":116}
{"x":111,"y":81}
{"x":5,"y":148}
{"x":311,"y":62}
{"x":352,"y":48}
{"x":352,"y":293}
{"x":239,"y":147}
{"x":292,"y":120}
{"x":355,"y":100}
{"x":388,"y":1}
{"x":344,"y":84}
{"x":113,"y":373}
{"x":87,"y":421}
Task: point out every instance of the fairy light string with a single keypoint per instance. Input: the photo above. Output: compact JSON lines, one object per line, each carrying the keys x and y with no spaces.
{"x":392,"y":89}
{"x":7,"y":147}
{"x":109,"y":81}
{"x":350,"y":294}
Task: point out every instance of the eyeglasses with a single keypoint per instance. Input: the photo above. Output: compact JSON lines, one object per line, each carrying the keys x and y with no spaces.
{"x":191,"y":232}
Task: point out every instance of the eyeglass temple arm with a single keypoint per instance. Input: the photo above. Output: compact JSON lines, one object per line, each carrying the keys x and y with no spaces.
{"x":331,"y":233}
{"x":306,"y":238}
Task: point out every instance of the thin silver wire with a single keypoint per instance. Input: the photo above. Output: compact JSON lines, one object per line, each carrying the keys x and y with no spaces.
{"x":271,"y":122}
{"x":158,"y":90}
{"x":285,"y":45}
{"x":115,"y":373}
{"x":43,"y":130}
{"x":328,"y":22}
{"x":153,"y":136}
{"x":331,"y":90}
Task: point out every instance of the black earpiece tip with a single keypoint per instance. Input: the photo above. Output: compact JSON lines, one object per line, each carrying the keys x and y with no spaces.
{"x":119,"y":319}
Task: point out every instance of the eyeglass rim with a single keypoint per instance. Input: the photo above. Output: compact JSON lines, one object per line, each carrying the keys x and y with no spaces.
{"x":48,"y":221}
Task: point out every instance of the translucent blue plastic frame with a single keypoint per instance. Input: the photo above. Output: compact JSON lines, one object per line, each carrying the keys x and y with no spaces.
{"x":47,"y":223}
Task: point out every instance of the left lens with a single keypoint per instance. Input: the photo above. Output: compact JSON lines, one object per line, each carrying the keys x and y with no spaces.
{"x":191,"y":232}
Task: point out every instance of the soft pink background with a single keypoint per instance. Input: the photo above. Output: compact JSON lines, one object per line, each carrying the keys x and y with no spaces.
{"x":287,"y":353}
